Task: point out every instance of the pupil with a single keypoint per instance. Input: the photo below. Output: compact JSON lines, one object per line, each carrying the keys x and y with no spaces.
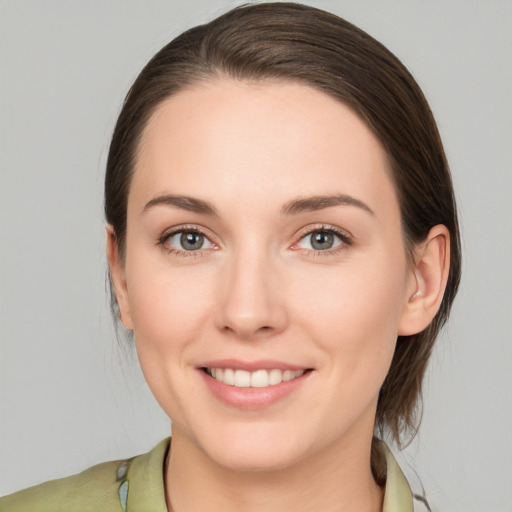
{"x":322,"y":240}
{"x":191,"y":241}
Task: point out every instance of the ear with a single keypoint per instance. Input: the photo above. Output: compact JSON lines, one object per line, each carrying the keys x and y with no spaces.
{"x":117,"y":275}
{"x":429,"y":274}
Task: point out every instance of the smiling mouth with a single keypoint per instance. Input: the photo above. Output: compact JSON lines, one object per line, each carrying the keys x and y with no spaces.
{"x":256,"y":379}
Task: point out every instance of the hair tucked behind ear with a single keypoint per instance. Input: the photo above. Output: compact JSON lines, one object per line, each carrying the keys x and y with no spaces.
{"x":293,"y":42}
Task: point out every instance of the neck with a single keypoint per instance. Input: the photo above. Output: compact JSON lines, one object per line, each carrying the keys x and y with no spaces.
{"x":336,"y":479}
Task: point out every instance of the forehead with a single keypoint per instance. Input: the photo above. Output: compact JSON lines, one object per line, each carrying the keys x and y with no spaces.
{"x":232,"y":140}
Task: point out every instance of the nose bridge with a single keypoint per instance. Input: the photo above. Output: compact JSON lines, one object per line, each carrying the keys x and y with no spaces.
{"x":252,"y":299}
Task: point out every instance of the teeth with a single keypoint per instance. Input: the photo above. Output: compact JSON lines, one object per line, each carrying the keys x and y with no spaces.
{"x":229,"y":377}
{"x":288,"y":375}
{"x":275,"y":377}
{"x":256,"y":379}
{"x":242,"y":379}
{"x":259,"y":379}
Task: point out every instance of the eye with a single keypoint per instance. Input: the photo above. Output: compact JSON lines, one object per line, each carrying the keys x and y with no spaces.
{"x":186,"y":240}
{"x":323,"y":240}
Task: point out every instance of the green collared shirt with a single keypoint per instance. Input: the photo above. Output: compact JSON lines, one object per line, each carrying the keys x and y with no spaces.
{"x":136,"y":485}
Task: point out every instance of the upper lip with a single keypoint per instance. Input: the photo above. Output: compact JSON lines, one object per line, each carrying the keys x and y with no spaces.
{"x":250,"y":366}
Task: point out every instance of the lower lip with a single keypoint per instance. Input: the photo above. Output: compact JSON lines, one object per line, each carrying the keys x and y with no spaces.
{"x":252,"y":398}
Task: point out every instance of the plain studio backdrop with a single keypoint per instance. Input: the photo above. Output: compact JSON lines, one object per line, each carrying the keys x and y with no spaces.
{"x":70,"y":395}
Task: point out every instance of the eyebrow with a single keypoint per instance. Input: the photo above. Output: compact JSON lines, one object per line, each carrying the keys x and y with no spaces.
{"x":294,"y":207}
{"x":314,"y":203}
{"x":190,"y":204}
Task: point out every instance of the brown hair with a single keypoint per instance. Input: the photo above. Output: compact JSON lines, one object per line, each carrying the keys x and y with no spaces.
{"x":293,"y":42}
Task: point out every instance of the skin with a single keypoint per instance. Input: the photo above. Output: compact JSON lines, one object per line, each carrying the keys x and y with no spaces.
{"x":258,"y":290}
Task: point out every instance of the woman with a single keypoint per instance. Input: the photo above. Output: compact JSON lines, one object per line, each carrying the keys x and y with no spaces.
{"x":283,"y":244}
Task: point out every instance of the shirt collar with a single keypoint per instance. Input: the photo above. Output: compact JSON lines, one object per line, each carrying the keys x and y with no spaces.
{"x":145,"y":488}
{"x":397,"y":494}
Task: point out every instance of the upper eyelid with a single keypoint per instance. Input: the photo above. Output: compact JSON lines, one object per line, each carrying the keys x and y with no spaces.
{"x":186,"y":228}
{"x":324,"y":227}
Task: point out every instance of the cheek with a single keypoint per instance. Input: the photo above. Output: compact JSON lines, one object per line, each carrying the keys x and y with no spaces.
{"x":169,"y":306}
{"x":353,"y":314}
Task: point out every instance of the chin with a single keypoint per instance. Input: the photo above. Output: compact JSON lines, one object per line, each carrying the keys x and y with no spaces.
{"x":253,"y":460}
{"x":254,"y":448}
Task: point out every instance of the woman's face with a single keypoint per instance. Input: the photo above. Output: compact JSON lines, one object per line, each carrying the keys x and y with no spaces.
{"x":263,"y":244}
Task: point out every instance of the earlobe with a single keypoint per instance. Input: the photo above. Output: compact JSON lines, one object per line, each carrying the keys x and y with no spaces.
{"x":429,"y":274}
{"x":117,"y":275}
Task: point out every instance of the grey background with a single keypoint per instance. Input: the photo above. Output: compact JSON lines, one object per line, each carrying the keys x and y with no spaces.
{"x":70,"y":396}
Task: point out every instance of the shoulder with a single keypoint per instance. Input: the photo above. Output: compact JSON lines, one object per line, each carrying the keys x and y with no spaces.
{"x":93,"y":489}
{"x":102,"y":487}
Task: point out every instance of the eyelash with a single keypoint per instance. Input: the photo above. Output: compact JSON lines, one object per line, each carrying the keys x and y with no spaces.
{"x":178,"y":252}
{"x":346,"y":240}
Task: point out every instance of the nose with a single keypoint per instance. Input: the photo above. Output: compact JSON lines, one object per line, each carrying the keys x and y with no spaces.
{"x":252,"y":302}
